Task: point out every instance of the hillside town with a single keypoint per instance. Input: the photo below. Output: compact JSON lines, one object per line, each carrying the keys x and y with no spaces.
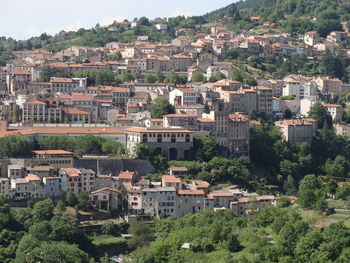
{"x":207,"y":102}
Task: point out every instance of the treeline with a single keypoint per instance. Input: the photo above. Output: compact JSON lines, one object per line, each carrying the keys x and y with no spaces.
{"x":275,"y":234}
{"x":14,"y":146}
{"x":45,"y":232}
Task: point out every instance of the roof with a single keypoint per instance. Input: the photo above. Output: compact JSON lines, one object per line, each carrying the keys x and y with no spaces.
{"x":39,"y":168}
{"x":179,"y":169}
{"x":62,"y":80}
{"x":190,"y":192}
{"x":106,"y":190}
{"x":32,"y":178}
{"x":62,"y":131}
{"x":40,"y":152}
{"x":298,"y":122}
{"x":71,"y":111}
{"x":207,"y":120}
{"x":148,"y":130}
{"x":126,"y":175}
{"x":201,"y":183}
{"x":35,"y":102}
{"x":20,"y":72}
{"x":171,"y":179}
{"x":79,"y":97}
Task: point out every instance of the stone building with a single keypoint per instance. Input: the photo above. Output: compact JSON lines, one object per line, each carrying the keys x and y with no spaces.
{"x":174,"y":143}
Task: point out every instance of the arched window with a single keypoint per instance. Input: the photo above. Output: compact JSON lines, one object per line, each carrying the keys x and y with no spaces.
{"x":173,"y":138}
{"x":145,"y":138}
{"x":159,"y":138}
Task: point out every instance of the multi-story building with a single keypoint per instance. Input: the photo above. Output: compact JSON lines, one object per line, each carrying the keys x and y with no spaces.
{"x":79,"y":180}
{"x":184,"y":96}
{"x":55,"y":158}
{"x":297,"y":131}
{"x":174,"y":143}
{"x":187,"y":121}
{"x":159,"y":201}
{"x":336,"y":112}
{"x":238,"y":134}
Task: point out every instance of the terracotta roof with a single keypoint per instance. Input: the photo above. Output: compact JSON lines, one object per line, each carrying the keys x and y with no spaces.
{"x":205,"y":120}
{"x":62,"y":80}
{"x":171,"y":179}
{"x":70,"y":111}
{"x":145,"y":130}
{"x":179,"y":169}
{"x":39,"y":168}
{"x":20,"y":72}
{"x":32,"y":178}
{"x":126,"y":175}
{"x":41,"y":152}
{"x":35,"y":102}
{"x":190,"y":192}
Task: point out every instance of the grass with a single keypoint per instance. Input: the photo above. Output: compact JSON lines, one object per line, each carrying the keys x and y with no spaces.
{"x":310,"y":216}
{"x":340,"y":204}
{"x":106,"y":240}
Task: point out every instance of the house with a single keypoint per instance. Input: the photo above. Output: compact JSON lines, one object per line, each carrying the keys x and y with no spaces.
{"x":171,"y":181}
{"x":174,"y":143}
{"x":334,"y":110}
{"x":178,"y":171}
{"x":311,"y":38}
{"x":297,"y":131}
{"x":107,"y":199}
{"x":162,"y":27}
{"x":184,"y":96}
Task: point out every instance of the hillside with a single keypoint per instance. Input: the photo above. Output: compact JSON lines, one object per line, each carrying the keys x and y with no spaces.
{"x":293,"y":16}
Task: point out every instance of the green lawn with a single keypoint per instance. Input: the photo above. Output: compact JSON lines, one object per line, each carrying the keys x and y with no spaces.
{"x":105,"y":240}
{"x":340,"y":204}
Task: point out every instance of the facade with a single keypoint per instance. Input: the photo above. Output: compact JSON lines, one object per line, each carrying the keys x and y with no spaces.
{"x":174,"y":143}
{"x":297,"y":131}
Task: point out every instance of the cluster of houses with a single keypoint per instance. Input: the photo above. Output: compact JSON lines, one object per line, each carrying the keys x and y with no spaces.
{"x":220,"y":108}
{"x":50,"y":174}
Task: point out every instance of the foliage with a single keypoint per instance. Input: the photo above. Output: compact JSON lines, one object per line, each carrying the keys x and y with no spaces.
{"x":161,"y":107}
{"x":15,"y":146}
{"x":142,"y":151}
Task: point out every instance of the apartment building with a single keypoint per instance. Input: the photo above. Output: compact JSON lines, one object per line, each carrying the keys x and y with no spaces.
{"x":79,"y":180}
{"x":159,"y":201}
{"x":297,"y":131}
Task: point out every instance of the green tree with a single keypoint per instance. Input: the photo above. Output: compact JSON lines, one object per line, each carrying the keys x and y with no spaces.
{"x":83,"y":202}
{"x":343,"y":192}
{"x":71,"y":199}
{"x":15,"y":146}
{"x":43,"y":210}
{"x":112,"y":147}
{"x":142,"y":234}
{"x":310,"y":192}
{"x":49,"y":252}
{"x":204,"y":148}
{"x":161,"y":107}
{"x":197,"y":77}
{"x":320,"y":115}
{"x":150,"y":78}
{"x":142,"y":151}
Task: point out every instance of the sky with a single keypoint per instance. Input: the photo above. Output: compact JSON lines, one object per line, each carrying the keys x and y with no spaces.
{"x":22,"y":19}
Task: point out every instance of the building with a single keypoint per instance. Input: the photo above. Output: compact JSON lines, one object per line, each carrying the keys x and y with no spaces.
{"x":106,"y":199}
{"x":311,"y":38}
{"x":159,"y":201}
{"x":297,"y":131}
{"x":54,"y":158}
{"x":335,"y":111}
{"x":174,"y":143}
{"x":79,"y":180}
{"x":184,"y":96}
